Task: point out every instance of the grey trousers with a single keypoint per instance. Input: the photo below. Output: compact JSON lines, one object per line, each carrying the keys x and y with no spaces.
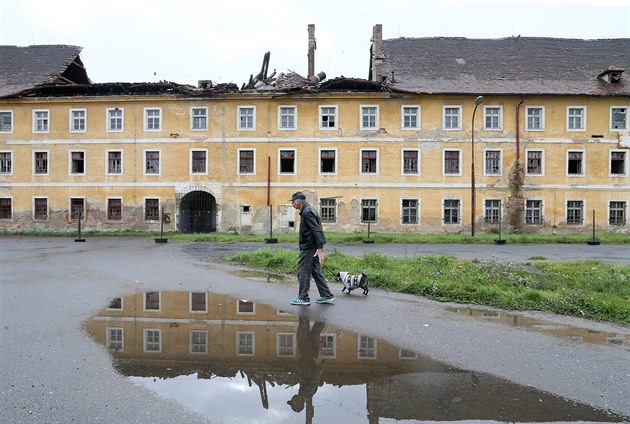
{"x":309,"y":266}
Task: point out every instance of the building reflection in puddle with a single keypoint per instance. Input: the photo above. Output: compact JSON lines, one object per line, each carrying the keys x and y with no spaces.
{"x":233,"y":360}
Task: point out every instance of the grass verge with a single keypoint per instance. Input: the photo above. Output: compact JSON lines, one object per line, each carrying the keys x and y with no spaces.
{"x":587,"y":289}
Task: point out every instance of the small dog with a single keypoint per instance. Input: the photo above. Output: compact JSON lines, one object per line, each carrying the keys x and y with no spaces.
{"x":352,"y":282}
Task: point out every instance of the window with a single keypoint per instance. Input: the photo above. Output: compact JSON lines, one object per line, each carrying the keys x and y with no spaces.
{"x":575,"y":163}
{"x":115,"y":339}
{"x":40,"y":163}
{"x":152,"y":340}
{"x":452,"y":118}
{"x":492,"y":213}
{"x":114,"y":162}
{"x":576,"y":118}
{"x":618,"y":163}
{"x":198,"y":341}
{"x":452,"y":164}
{"x":198,"y":162}
{"x":368,"y":210}
{"x":246,"y":118}
{"x":409,"y":211}
{"x":369,"y":117}
{"x":246,"y":162}
{"x":152,"y":119}
{"x":40,"y":208}
{"x":287,"y":117}
{"x":6,"y":121}
{"x":245,"y":343}
{"x":245,"y":307}
{"x":328,"y":210}
{"x":41,"y":121}
{"x":575,"y":212}
{"x":115,"y":120}
{"x":6,"y":208}
{"x":116,"y":303}
{"x":151,"y":209}
{"x":287,"y":161}
{"x":493,"y":117}
{"x":198,"y":302}
{"x":411,"y":162}
{"x":534,"y":212}
{"x":152,"y":162}
{"x":327,"y":161}
{"x":78,"y":120}
{"x":492,"y":162}
{"x":617,"y":213}
{"x":367,"y":347}
{"x":534,"y":162}
{"x":198,"y":118}
{"x":114,"y":209}
{"x":535,"y":118}
{"x":152,"y":301}
{"x":618,"y":118}
{"x":77,"y":208}
{"x":77,"y":163}
{"x":329,"y":350}
{"x":285,"y":344}
{"x":328,"y":117}
{"x":410,"y":117}
{"x":451,"y":211}
{"x":6,"y":163}
{"x":369,"y":161}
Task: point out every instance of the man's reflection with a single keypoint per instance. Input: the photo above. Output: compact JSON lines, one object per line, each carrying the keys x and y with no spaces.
{"x":310,"y":363}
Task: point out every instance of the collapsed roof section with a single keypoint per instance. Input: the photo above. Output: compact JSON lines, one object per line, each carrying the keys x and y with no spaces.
{"x":23,"y":68}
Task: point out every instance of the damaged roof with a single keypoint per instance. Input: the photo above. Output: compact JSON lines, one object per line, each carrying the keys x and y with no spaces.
{"x":514,"y":65}
{"x":22,"y":68}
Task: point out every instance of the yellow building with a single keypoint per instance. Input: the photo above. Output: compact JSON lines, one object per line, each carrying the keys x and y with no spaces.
{"x":548,"y":120}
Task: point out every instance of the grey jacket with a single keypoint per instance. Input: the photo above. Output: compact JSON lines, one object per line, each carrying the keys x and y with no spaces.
{"x":311,"y":233}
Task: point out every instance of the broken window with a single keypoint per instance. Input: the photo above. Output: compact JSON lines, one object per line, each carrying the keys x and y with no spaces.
{"x":77,"y":208}
{"x":152,"y":301}
{"x":328,"y":117}
{"x":40,"y":211}
{"x":151,"y":209}
{"x":198,"y":162}
{"x":575,"y":212}
{"x":114,"y":162}
{"x":245,"y":307}
{"x":369,"y":161}
{"x":327,"y":159}
{"x":115,"y":303}
{"x":533,"y":212}
{"x":618,"y":165}
{"x":534,"y":162}
{"x":492,"y":162}
{"x":328,"y":210}
{"x":451,"y":211}
{"x":451,"y":162}
{"x":411,"y":162}
{"x":77,"y":162}
{"x":6,"y":163}
{"x":617,"y":212}
{"x":246,"y":162}
{"x":618,"y":118}
{"x":409,"y":211}
{"x":575,"y":163}
{"x":6,"y":209}
{"x":287,"y":161}
{"x":152,"y":162}
{"x":114,"y":209}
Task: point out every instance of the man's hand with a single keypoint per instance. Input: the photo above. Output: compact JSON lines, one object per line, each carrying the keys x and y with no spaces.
{"x":319,"y":254}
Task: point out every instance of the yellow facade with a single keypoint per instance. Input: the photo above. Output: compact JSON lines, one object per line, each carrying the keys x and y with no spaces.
{"x":564,"y":197}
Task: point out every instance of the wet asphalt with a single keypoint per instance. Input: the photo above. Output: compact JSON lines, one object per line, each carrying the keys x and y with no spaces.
{"x":51,"y":371}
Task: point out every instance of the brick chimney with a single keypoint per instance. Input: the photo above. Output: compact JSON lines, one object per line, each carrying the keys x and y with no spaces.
{"x":312,"y":45}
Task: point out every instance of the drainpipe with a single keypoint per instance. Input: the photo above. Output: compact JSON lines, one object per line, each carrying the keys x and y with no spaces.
{"x":518,"y":130}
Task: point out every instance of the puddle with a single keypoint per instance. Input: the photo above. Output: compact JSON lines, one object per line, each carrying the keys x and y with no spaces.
{"x":559,"y":330}
{"x":235,"y":361}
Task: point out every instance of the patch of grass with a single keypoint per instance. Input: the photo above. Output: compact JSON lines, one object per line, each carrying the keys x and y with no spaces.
{"x":588,"y":289}
{"x":538,"y":258}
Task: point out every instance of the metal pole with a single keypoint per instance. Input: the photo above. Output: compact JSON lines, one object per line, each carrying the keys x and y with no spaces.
{"x":478,"y":101}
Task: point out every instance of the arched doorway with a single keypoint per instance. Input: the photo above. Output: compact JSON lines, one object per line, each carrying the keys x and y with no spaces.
{"x":197,"y":213}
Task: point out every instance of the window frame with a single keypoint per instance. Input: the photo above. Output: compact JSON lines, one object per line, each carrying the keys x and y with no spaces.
{"x":540,"y":209}
{"x":624,"y":213}
{"x":293,"y":115}
{"x":459,"y":211}
{"x":321,"y":117}
{"x":242,"y":311}
{"x":528,"y":109}
{"x":280,"y":160}
{"x":71,"y":204}
{"x":71,"y":162}
{"x":542,"y":163}
{"x":367,"y":347}
{"x":191,"y":161}
{"x":582,"y":116}
{"x":402,"y":162}
{"x":283,"y":334}
{"x":35,"y":173}
{"x":72,"y":118}
{"x":151,"y":119}
{"x":11,"y":121}
{"x":107,"y":159}
{"x":108,"y":119}
{"x":582,"y":210}
{"x":417,"y":115}
{"x":36,"y":216}
{"x":319,"y":161}
{"x":145,"y":209}
{"x":369,"y":207}
{"x":376,"y":162}
{"x":109,"y":208}
{"x":446,"y":118}
{"x":491,"y":213}
{"x":499,"y":118}
{"x":459,"y":163}
{"x":8,"y":161}
{"x":627,"y":118}
{"x":191,"y":303}
{"x":145,"y":168}
{"x":404,"y":208}
{"x":10,"y":208}
{"x":626,"y":166}
{"x":373,"y":120}
{"x":324,"y":216}
{"x":239,"y":345}
{"x":108,"y":332}
{"x":192,"y":343}
{"x":145,"y":302}
{"x":240,"y":116}
{"x":499,"y":161}
{"x":239,"y":151}
{"x":145,"y":340}
{"x":582,"y":172}
{"x":36,"y":121}
{"x":194,"y":118}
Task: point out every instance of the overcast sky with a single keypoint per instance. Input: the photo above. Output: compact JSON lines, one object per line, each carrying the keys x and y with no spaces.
{"x":224,"y":41}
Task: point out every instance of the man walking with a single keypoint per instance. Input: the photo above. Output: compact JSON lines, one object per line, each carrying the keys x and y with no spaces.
{"x":311,"y":253}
